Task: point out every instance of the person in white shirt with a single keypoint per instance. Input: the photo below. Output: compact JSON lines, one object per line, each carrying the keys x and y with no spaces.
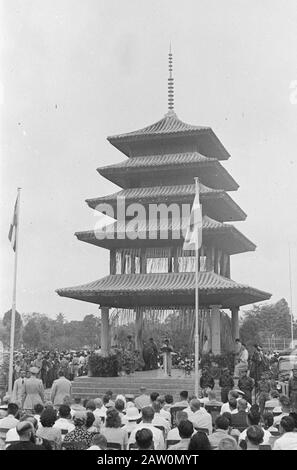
{"x":288,"y":439}
{"x":273,"y":402}
{"x":158,"y":418}
{"x":147,"y":418}
{"x":164,"y":413}
{"x":100,"y":410}
{"x":200,"y":417}
{"x":10,"y":421}
{"x":64,"y":421}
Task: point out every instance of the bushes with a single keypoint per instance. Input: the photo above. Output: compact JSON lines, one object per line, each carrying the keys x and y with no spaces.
{"x":100,"y":366}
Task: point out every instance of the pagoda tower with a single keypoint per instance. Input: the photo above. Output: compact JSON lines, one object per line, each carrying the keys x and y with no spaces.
{"x":149,"y":270}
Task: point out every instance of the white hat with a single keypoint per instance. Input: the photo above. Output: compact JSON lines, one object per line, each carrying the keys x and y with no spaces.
{"x":132,"y":414}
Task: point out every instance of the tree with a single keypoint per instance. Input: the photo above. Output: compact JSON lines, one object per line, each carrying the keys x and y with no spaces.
{"x":31,"y":335}
{"x":261,"y":322}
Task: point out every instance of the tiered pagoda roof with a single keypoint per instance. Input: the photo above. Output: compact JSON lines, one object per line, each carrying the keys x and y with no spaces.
{"x":163,"y":168}
{"x":168,"y":289}
{"x":216,"y":202}
{"x":170,"y":130}
{"x":230,"y":239}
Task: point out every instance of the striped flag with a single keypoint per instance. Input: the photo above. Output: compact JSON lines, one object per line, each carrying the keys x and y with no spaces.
{"x":12,"y":235}
{"x":193,"y":238}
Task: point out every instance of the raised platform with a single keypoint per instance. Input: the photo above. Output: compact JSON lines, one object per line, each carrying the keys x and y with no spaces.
{"x":153,"y":380}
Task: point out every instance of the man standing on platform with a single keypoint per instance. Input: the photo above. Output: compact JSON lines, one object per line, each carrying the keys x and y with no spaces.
{"x":167,"y":349}
{"x":18,"y":389}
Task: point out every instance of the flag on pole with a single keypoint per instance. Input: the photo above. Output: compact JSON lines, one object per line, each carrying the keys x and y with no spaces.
{"x":12,"y":234}
{"x":193,"y":238}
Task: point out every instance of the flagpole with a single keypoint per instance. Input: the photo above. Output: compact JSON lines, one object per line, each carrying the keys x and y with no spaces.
{"x":196,"y":307}
{"x":13,"y":310}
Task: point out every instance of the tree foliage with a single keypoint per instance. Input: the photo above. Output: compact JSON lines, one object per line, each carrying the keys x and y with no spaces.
{"x":261,"y":322}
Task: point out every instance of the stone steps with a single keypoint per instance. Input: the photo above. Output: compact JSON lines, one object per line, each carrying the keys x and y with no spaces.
{"x":92,"y":387}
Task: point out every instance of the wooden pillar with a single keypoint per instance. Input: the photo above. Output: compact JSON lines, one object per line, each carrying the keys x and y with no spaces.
{"x":105,"y":337}
{"x":235,"y":322}
{"x":139,"y":329}
{"x":215,"y":318}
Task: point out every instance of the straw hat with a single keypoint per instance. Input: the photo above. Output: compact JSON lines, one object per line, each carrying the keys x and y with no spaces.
{"x":34,"y":370}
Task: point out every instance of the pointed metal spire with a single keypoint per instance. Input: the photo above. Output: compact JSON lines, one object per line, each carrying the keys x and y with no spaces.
{"x":170,"y":84}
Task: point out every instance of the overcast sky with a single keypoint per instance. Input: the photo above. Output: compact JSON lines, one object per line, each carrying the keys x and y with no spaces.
{"x":74,"y":72}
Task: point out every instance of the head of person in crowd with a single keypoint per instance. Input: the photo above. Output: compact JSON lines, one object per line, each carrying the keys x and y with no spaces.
{"x":199,"y":441}
{"x":13,"y":409}
{"x":67,"y":400}
{"x":185,"y":429}
{"x":99,"y":440}
{"x":156,"y":406}
{"x":38,"y":409}
{"x":113,"y":419}
{"x":228,"y":416}
{"x":90,"y":405}
{"x":184,"y":394}
{"x":285,"y":404}
{"x":147,"y":414}
{"x":168,"y":399}
{"x":254,"y":436}
{"x":65,"y":412}
{"x":25,"y":430}
{"x":22,"y":374}
{"x":232,"y":403}
{"x":161,"y":400}
{"x":119,"y":405}
{"x":195,"y":405}
{"x":233,"y":394}
{"x":287,"y":424}
{"x":98,"y":403}
{"x":109,"y":393}
{"x":48,"y":417}
{"x":90,"y":419}
{"x":121,"y":397}
{"x":80,"y":419}
{"x":181,"y":416}
{"x":144,"y":439}
{"x":227,"y":443}
{"x":154,"y":396}
{"x":105,"y":400}
{"x":222,"y":423}
{"x":268,"y":420}
{"x":77,"y":400}
{"x":242,"y":404}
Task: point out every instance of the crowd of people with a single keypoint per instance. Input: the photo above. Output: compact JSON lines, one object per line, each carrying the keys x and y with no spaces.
{"x":147,"y":421}
{"x":42,"y":412}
